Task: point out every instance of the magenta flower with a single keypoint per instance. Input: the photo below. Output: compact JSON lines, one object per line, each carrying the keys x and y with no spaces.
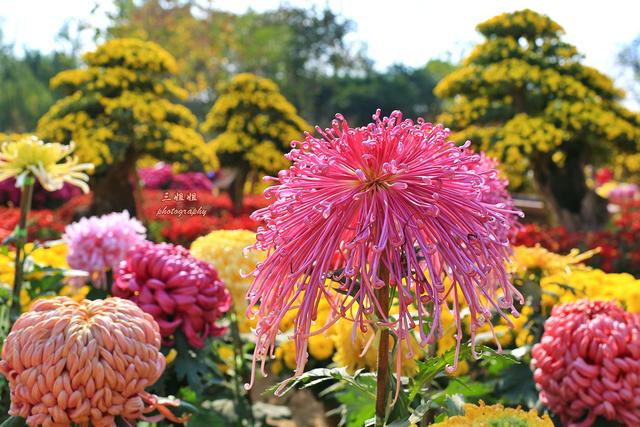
{"x":587,"y":363}
{"x":98,"y":244}
{"x":156,"y":177}
{"x":394,"y":195}
{"x":178,"y":290}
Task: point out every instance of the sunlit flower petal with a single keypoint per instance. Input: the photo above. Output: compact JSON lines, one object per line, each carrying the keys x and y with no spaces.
{"x":29,"y":155}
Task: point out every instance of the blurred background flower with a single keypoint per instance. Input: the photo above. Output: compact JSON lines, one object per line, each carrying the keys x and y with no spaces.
{"x":98,"y":244}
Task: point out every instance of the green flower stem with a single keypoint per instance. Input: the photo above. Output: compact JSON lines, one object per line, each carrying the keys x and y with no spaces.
{"x":21,"y":238}
{"x":243,"y":398}
{"x":382,"y":378}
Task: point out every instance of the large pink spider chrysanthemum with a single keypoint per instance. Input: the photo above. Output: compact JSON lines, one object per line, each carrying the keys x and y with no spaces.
{"x":392,"y":198}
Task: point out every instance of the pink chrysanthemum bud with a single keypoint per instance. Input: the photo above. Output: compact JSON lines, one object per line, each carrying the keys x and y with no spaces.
{"x":587,"y":363}
{"x":71,"y":363}
{"x":393,"y":195}
{"x":98,"y":244}
{"x":178,"y":290}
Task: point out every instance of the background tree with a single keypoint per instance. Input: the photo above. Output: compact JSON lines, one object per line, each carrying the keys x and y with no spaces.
{"x":24,"y":86}
{"x":524,"y":95}
{"x":296,"y":47}
{"x":120,"y":108}
{"x":397,"y":88}
{"x":198,"y":36}
{"x":253,"y":125}
{"x":627,"y":166}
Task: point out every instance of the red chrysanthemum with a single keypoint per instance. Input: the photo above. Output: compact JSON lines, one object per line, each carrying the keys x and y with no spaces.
{"x":587,"y":363}
{"x":178,"y":290}
{"x":393,"y":196}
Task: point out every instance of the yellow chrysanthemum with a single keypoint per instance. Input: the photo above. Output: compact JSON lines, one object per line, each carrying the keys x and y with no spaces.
{"x":350,"y":347}
{"x":224,"y":250}
{"x":53,"y":254}
{"x":226,"y":354}
{"x":529,"y":258}
{"x":594,"y":285}
{"x":340,"y":342}
{"x":321,"y":346}
{"x":496,"y":416}
{"x":31,"y":156}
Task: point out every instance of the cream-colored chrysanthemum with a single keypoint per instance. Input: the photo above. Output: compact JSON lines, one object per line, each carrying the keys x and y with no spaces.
{"x":224,"y":249}
{"x":50,"y":163}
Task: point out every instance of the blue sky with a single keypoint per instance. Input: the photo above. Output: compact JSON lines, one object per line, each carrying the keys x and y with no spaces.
{"x":404,"y":31}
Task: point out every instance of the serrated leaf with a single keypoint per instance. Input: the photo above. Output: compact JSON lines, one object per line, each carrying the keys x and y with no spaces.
{"x":189,"y":366}
{"x":517,"y":387}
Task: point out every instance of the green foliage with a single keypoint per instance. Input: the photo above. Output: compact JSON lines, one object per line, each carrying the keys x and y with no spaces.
{"x":430,"y":390}
{"x":121,"y":107}
{"x":294,"y":46}
{"x":398,"y":88}
{"x":14,"y":422}
{"x":24,"y":86}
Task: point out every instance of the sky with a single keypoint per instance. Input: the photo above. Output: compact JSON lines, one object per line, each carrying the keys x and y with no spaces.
{"x":399,"y":31}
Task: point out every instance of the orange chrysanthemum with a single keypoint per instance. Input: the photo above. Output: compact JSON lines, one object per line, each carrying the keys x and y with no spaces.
{"x":83,"y":363}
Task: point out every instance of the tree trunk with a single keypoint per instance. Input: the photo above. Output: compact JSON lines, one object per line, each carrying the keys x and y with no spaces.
{"x":236,"y":189}
{"x":112,"y":190}
{"x":564,"y":189}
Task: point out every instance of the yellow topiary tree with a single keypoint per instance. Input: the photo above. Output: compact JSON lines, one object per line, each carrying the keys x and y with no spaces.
{"x":525,"y":97}
{"x":119,"y":108}
{"x":252,"y":126}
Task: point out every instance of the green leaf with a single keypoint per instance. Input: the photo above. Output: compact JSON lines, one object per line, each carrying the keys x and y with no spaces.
{"x":188,"y":365}
{"x":464,"y":387}
{"x":356,"y":409}
{"x":207,"y":418}
{"x":14,"y":422}
{"x":363,"y":382}
{"x":430,"y":368}
{"x":95,"y":293}
{"x":517,"y":387}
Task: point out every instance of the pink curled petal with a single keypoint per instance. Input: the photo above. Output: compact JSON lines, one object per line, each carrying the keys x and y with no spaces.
{"x":598,"y":381}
